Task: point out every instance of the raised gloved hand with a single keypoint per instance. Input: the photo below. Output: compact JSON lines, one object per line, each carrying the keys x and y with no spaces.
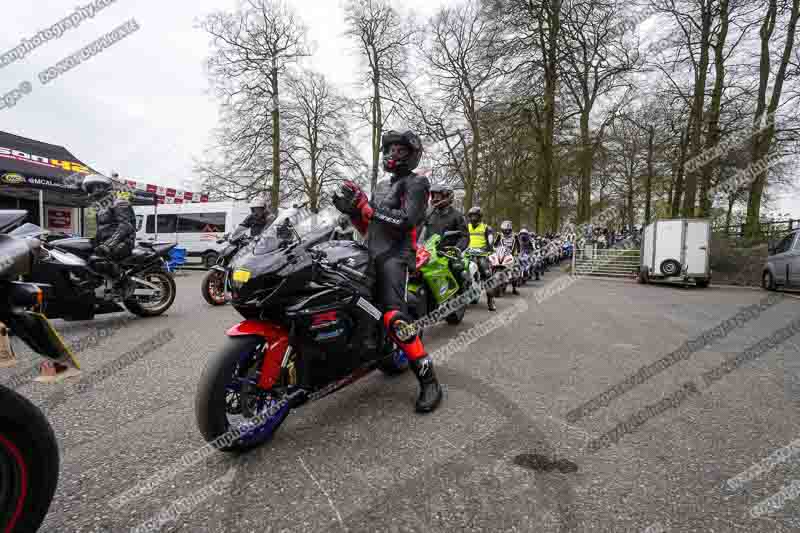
{"x":354,"y":199}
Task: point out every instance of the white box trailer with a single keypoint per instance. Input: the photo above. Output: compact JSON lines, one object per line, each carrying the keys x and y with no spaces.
{"x":676,"y":250}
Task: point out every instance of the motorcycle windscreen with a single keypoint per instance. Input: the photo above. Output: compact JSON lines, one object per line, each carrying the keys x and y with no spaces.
{"x":10,"y":218}
{"x":38,"y":333}
{"x":16,"y":256}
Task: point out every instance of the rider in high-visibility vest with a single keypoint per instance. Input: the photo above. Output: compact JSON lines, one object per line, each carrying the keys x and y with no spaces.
{"x":481,"y":237}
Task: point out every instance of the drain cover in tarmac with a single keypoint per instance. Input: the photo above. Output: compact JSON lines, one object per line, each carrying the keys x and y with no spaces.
{"x":540,"y":463}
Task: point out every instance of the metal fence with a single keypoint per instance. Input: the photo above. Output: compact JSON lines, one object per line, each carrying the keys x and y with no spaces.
{"x":772,"y":229}
{"x":616,"y":262}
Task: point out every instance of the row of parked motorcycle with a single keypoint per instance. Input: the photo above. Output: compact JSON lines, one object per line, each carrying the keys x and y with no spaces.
{"x":309,"y":326}
{"x":435,"y":257}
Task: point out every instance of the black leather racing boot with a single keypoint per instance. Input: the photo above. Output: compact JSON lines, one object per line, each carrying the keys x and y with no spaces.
{"x":430,"y":392}
{"x":490,"y":302}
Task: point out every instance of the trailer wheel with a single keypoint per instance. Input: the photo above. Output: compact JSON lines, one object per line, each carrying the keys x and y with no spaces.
{"x":644,"y":278}
{"x":670,"y":267}
{"x":702,"y":283}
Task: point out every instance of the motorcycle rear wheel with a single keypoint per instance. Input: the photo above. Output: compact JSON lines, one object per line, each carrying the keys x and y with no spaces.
{"x":149,"y":309}
{"x":29,"y":463}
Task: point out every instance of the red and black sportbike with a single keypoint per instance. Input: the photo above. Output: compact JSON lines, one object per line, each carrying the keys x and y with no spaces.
{"x":310,"y":329}
{"x":29,"y":460}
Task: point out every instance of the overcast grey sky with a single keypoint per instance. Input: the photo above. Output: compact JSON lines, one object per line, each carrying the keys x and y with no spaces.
{"x":142,"y":107}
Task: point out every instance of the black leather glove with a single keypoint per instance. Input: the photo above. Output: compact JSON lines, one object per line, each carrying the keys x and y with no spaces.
{"x":344,"y":200}
{"x":103,"y":250}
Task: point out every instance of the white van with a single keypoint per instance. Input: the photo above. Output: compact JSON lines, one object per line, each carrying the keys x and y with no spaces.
{"x":194,"y":226}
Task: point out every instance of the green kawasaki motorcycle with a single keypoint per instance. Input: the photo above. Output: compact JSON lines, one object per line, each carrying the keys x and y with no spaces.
{"x":433,"y":283}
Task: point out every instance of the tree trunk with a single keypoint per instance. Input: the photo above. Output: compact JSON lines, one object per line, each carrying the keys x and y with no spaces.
{"x":714,"y":108}
{"x":762,"y":142}
{"x":585,"y":186}
{"x":376,"y":125}
{"x":690,"y":193}
{"x":648,"y":189}
{"x":678,"y":192}
{"x":275,"y":191}
{"x":729,"y":213}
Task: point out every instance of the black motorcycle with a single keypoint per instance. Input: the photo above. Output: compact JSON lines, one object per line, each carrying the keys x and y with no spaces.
{"x":29,"y":458}
{"x":215,"y":282}
{"x":310,"y":329}
{"x":79,"y":293}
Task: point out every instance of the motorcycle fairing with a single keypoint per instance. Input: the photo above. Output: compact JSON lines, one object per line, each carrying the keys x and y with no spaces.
{"x":37,"y":332}
{"x":277,"y":339}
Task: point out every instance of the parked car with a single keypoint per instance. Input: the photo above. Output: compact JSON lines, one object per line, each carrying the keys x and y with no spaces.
{"x":782,"y":268}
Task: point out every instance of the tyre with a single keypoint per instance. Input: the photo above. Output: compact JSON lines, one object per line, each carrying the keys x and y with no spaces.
{"x":456,"y":317}
{"x":29,"y":464}
{"x":212,"y":288}
{"x":670,"y":267}
{"x":476,"y":282}
{"x":147,"y":306}
{"x":210,"y":259}
{"x":220,"y":407}
{"x":768,"y":281}
{"x":702,"y":283}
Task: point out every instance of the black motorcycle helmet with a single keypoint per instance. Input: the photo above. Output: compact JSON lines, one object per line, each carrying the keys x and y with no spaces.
{"x":474,"y":215}
{"x":97,"y":186}
{"x":401,"y":164}
{"x":506,"y":228}
{"x":441,"y":196}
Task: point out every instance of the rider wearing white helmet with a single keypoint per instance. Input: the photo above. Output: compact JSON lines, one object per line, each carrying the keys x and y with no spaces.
{"x":259,"y":216}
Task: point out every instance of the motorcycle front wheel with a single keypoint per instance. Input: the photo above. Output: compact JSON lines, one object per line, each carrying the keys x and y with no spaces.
{"x":29,"y":464}
{"x":231,"y":412}
{"x":213,"y":288}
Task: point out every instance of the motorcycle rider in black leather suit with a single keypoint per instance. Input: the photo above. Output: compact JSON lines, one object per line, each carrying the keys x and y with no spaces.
{"x":481,"y":236}
{"x":390,"y":221}
{"x":444,"y":217}
{"x":259,"y":217}
{"x":116,"y":226}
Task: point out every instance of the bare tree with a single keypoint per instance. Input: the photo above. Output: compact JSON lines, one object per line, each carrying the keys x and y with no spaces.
{"x":464,"y":61}
{"x":318,"y":147}
{"x":762,"y":142}
{"x":383,"y":37}
{"x":253,"y":48}
{"x":596,"y":58}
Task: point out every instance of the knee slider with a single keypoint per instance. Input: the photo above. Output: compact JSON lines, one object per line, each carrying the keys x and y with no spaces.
{"x":400,"y":326}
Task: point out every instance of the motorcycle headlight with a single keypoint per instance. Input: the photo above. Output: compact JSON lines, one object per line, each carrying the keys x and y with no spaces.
{"x":239,"y":277}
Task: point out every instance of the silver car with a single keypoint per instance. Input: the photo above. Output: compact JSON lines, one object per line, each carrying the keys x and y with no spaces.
{"x":782,"y":268}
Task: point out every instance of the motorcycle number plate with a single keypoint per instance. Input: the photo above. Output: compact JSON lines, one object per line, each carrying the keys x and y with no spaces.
{"x":369,"y":308}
